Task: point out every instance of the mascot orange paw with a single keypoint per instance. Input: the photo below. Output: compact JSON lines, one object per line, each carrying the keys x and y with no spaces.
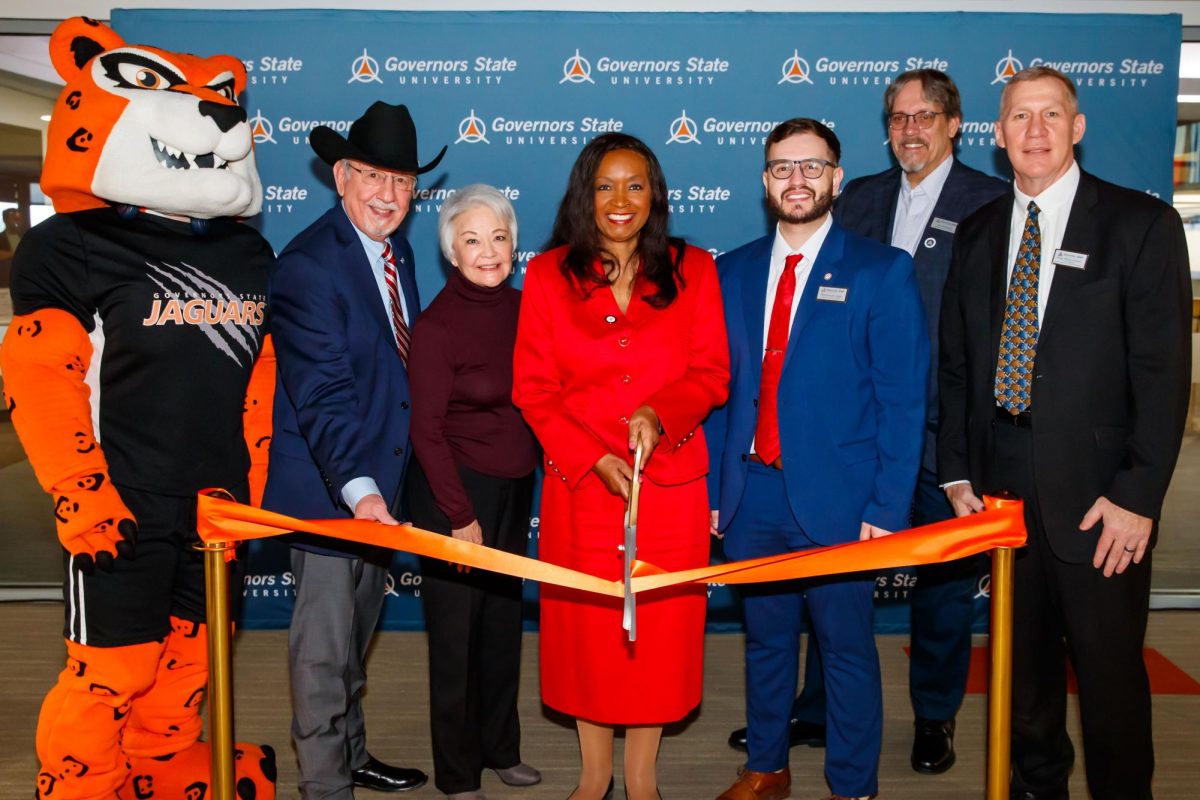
{"x":93,"y":544}
{"x":187,"y":775}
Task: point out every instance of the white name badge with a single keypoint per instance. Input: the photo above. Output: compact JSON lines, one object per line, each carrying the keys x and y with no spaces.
{"x":946,"y":225}
{"x":1065,"y":258}
{"x":832,"y":294}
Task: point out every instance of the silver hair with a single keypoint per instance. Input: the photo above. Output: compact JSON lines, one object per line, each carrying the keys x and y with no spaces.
{"x":1036,"y":74}
{"x":473,"y":196}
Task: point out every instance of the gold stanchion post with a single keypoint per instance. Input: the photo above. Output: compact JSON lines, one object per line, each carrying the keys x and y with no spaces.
{"x":1000,"y":685}
{"x":220,"y":669}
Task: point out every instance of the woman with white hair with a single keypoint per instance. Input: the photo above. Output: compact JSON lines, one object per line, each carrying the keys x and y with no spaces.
{"x":473,"y":480}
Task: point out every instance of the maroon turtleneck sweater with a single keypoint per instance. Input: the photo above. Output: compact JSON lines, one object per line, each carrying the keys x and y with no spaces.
{"x":460,"y":378}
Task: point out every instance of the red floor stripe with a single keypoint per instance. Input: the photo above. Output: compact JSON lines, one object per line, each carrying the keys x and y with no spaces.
{"x":1165,"y":676}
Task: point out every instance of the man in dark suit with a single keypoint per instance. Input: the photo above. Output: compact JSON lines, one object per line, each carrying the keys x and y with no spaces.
{"x":1064,"y":378}
{"x":343,"y":297}
{"x":819,"y":444}
{"x":917,"y":206}
{"x":10,"y":237}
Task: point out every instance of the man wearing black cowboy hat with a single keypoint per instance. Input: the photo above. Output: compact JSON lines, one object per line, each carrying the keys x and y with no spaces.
{"x":343,"y":296}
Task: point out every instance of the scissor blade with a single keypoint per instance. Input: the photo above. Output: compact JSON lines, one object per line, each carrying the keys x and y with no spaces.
{"x":629,"y":617}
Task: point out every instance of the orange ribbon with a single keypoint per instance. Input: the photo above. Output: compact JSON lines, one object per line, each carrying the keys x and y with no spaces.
{"x":1002,"y":525}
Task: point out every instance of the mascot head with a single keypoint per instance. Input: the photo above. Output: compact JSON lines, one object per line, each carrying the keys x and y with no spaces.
{"x":145,"y":127}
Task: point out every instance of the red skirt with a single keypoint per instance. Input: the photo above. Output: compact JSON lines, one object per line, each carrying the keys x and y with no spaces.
{"x":588,"y":667}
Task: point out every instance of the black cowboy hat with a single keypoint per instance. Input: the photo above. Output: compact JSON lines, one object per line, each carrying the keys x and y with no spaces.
{"x":383,"y":137}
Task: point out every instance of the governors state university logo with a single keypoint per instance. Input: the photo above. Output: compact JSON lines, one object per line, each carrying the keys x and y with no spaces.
{"x":261,"y":129}
{"x":795,"y":70}
{"x":472,"y":129}
{"x":364,"y":69}
{"x":683,"y":130}
{"x":577,"y":69}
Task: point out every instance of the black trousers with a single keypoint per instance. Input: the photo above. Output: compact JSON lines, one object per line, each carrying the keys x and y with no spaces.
{"x":1064,"y":610}
{"x":473,"y":622}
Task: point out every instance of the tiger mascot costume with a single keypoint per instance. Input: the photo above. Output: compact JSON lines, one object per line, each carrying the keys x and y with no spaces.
{"x":140,"y":313}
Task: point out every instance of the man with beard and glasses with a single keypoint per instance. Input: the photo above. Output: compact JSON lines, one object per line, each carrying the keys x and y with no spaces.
{"x":819,"y":444}
{"x":917,"y":206}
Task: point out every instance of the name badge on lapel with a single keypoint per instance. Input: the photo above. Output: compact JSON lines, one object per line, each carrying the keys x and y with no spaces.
{"x":832,"y":294}
{"x":1066,"y":258}
{"x":946,"y":225}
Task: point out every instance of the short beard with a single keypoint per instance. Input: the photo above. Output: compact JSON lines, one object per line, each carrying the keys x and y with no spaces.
{"x":821,"y":205}
{"x":381,"y":229}
{"x":911,"y":164}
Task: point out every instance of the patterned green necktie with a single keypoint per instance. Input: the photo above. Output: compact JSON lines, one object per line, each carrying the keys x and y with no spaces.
{"x":1019,"y":336}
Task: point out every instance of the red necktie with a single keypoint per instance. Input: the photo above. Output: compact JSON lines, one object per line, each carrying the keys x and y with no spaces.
{"x":393,"y":284}
{"x":766,"y":434}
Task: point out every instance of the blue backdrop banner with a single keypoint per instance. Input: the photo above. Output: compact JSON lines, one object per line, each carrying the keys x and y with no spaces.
{"x":515,"y":95}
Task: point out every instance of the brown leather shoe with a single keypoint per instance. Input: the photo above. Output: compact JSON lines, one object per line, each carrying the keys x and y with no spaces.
{"x":752,"y":785}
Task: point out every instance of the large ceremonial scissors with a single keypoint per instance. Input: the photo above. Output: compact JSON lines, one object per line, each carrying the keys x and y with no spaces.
{"x":629,"y":618}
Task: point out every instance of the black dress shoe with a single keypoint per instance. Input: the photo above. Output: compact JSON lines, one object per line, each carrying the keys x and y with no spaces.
{"x":1055,"y":795}
{"x":799,"y":732}
{"x":385,"y":778}
{"x":933,"y":746}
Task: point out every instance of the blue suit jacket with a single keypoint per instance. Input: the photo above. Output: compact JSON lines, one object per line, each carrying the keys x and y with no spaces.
{"x":867,"y":206}
{"x":852,"y":392}
{"x":341,"y":395}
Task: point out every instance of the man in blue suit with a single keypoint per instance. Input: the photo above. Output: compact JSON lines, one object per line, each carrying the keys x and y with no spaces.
{"x":819,"y":444}
{"x":343,"y":296}
{"x":917,"y":206}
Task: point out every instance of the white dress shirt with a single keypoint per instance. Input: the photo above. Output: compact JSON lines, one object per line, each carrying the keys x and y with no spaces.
{"x":780,"y":250}
{"x":374,"y":251}
{"x":915,"y":205}
{"x":358,"y":488}
{"x":1054,"y":206}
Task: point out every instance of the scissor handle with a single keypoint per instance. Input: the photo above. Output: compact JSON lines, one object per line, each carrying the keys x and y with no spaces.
{"x":636,"y":487}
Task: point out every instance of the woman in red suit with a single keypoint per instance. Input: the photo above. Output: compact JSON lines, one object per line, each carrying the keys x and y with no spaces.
{"x":621,"y":341}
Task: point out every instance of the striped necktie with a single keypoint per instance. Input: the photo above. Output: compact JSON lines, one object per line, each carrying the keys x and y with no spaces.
{"x":403,"y":339}
{"x":1019,"y":336}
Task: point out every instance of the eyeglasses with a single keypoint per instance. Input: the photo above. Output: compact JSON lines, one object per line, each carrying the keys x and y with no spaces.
{"x":376,"y":178}
{"x":783,"y":168}
{"x":899,"y":121}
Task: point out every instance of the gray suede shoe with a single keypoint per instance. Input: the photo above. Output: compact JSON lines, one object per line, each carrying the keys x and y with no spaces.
{"x":520,"y":775}
{"x":475,"y":795}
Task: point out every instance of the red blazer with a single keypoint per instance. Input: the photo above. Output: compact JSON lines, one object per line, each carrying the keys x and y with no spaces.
{"x":581,"y":368}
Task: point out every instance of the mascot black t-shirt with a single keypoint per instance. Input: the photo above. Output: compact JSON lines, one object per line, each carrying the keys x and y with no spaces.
{"x":176,"y":320}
